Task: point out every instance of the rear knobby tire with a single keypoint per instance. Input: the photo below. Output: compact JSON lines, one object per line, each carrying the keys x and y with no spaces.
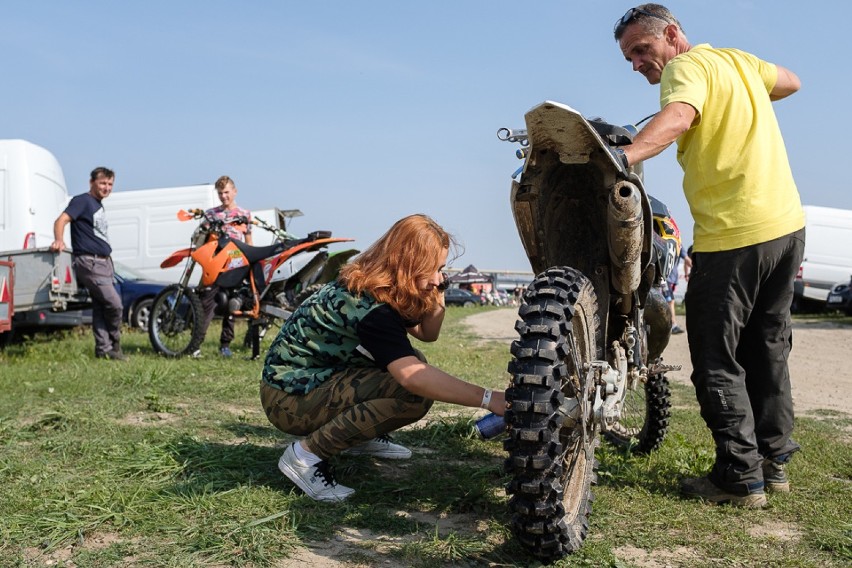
{"x":552,"y":458}
{"x":644,"y":417}
{"x":175,"y":324}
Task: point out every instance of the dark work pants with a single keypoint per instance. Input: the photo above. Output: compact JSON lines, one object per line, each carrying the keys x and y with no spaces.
{"x":740,"y":336}
{"x":97,"y":275}
{"x":208,"y":302}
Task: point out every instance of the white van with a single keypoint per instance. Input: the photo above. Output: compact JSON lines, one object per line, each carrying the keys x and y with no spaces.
{"x":828,"y":256}
{"x":144,"y":228}
{"x":35,"y":295}
{"x":32,"y":195}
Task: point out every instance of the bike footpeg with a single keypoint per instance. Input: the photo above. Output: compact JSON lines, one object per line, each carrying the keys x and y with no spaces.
{"x":275,"y":311}
{"x":660,"y":368}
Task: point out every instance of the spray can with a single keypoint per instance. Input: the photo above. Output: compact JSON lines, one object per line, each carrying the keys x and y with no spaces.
{"x":490,"y":426}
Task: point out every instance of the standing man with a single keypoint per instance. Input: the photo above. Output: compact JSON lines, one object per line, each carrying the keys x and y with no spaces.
{"x":749,"y":240}
{"x":92,"y":263}
{"x":228,"y":211}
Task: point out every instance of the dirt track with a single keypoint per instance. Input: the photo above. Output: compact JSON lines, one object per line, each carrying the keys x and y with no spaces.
{"x":820,"y":363}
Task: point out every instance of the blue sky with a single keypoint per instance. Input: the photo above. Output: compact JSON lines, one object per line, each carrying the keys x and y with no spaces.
{"x":359,"y":113}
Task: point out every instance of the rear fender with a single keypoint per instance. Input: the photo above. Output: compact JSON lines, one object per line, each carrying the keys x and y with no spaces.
{"x":336,"y":261}
{"x":309,"y":246}
{"x":560,"y":201}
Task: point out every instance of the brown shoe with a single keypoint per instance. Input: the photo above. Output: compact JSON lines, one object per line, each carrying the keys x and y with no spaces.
{"x":703,"y":488}
{"x":114,"y":355}
{"x":774,"y":477}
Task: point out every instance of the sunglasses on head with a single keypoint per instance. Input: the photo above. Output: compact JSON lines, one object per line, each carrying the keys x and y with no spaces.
{"x":631,"y":15}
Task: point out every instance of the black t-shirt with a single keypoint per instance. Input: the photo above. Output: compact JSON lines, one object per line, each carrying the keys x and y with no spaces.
{"x":383,"y":334}
{"x":89,"y":226}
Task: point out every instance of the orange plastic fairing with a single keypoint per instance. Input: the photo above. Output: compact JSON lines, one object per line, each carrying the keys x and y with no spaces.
{"x":176,"y":258}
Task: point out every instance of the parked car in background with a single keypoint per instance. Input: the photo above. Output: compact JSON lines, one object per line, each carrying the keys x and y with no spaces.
{"x":137,"y":294}
{"x":840,"y":297}
{"x":459,"y":297}
{"x":827,"y":256}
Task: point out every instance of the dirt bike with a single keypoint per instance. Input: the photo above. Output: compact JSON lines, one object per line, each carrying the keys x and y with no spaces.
{"x":299,"y":276}
{"x":592,"y":328}
{"x":245,"y":275}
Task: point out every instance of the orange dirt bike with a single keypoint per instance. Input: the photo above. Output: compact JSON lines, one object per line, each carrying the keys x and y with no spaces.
{"x":252,"y":280}
{"x":593,"y":325}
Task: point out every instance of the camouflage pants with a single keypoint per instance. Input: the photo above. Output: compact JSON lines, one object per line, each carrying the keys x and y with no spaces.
{"x":351,"y":407}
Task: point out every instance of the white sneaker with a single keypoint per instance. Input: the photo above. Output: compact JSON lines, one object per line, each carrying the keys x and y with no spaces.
{"x":317,"y":481}
{"x":381,"y":447}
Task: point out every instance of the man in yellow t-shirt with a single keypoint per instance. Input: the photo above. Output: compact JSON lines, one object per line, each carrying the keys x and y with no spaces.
{"x":748,"y":242}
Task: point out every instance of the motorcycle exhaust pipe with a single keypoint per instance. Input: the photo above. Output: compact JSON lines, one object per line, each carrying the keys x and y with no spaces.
{"x":625,"y":232}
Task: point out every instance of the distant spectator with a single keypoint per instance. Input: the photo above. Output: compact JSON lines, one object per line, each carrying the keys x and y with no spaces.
{"x":228,"y":211}
{"x":92,"y":260}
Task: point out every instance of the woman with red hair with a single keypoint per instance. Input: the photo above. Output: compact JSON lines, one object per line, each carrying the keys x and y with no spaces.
{"x":342,"y":372}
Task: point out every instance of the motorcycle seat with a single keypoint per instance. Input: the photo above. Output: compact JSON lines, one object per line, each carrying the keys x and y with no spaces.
{"x":255,"y":254}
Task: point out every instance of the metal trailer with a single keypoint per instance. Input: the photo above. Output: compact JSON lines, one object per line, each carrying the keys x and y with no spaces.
{"x":38,"y":288}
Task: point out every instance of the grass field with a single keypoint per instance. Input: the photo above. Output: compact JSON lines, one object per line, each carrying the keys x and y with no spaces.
{"x":158,"y":462}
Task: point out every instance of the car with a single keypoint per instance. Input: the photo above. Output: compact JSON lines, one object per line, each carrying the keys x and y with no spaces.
{"x":840,"y":297}
{"x":459,"y":297}
{"x":137,"y":295}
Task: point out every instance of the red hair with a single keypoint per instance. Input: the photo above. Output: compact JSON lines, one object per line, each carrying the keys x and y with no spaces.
{"x":389,"y":269}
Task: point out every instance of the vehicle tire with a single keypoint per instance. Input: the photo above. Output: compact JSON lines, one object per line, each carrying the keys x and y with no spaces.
{"x":644,"y":417}
{"x":175,"y":322}
{"x":468,"y":304}
{"x":7,"y":338}
{"x":551,"y":454}
{"x":141,"y":313}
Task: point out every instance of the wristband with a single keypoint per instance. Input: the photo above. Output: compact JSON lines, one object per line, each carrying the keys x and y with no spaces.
{"x":486,"y":399}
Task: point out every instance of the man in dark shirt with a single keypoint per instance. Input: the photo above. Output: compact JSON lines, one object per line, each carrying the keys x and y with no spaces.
{"x":92,"y":262}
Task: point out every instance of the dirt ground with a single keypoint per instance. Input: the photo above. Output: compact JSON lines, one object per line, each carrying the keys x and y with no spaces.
{"x":820,"y":365}
{"x":820,"y":362}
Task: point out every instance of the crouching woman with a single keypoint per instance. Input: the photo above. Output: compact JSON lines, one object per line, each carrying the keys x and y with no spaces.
{"x":342,"y":373}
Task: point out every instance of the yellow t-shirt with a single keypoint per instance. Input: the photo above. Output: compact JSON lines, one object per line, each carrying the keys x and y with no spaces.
{"x":737,"y":178}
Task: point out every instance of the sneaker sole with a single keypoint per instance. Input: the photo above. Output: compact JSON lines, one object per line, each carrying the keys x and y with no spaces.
{"x":293,"y":476}
{"x":749,"y":502}
{"x":380,"y":455}
{"x":777,"y":487}
{"x":752,"y":501}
